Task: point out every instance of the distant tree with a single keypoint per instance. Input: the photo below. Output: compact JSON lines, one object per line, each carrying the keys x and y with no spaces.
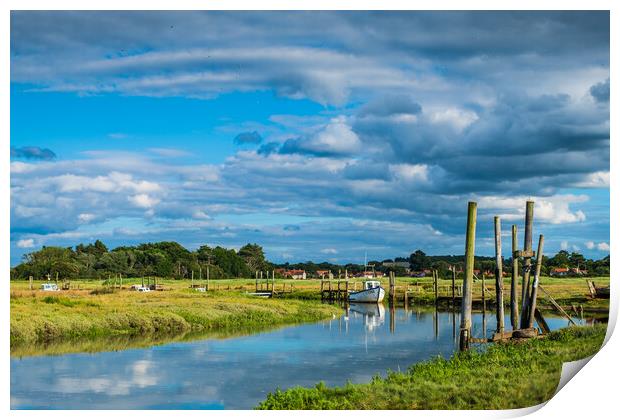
{"x":561,"y":259}
{"x":254,"y":257}
{"x":418,"y":260}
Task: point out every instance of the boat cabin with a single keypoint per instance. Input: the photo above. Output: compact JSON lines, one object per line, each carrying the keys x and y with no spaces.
{"x":371,"y":284}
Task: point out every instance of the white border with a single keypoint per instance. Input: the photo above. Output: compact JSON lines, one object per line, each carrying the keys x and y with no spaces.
{"x":591,"y":394}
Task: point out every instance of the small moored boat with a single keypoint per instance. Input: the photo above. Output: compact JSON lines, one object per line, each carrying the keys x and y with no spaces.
{"x":372,"y":293}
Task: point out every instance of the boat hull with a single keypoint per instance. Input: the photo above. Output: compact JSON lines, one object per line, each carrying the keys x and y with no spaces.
{"x":373,"y":295}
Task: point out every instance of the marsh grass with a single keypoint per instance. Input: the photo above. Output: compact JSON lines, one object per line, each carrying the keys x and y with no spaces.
{"x":512,"y":375}
{"x":39,"y":317}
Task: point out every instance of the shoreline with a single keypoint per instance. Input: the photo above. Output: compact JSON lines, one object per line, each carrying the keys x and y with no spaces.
{"x":502,"y":376}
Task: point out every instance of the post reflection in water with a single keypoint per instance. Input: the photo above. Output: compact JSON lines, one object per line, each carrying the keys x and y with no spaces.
{"x":453,"y":324}
{"x":392,"y":316}
{"x":484,"y":321}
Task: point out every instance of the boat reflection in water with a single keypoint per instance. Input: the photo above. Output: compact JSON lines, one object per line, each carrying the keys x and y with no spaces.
{"x":373,"y":315}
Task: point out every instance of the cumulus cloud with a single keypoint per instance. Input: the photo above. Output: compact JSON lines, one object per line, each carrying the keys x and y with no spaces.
{"x":335,"y":139}
{"x":32,"y":152}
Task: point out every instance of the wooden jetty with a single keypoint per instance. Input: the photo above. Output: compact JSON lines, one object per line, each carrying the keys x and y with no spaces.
{"x":335,"y":290}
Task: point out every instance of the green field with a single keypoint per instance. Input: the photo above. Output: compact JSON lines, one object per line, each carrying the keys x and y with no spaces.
{"x":510,"y":375}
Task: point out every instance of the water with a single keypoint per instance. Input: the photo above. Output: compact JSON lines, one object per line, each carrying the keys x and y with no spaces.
{"x":237,"y":373}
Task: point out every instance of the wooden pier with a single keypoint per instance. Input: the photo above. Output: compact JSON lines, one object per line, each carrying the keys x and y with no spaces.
{"x":335,"y":290}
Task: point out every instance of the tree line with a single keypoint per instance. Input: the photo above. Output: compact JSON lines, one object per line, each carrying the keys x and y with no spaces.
{"x":160,"y":259}
{"x":172,"y":260}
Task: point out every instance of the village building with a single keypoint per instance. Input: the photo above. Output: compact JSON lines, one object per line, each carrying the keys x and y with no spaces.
{"x":295,"y":274}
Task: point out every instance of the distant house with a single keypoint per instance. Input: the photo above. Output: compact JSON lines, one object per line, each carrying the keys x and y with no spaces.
{"x":370,"y":274}
{"x":295,"y":274}
{"x":559,"y":272}
{"x":324,"y":273}
{"x":579,"y":271}
{"x":418,"y":274}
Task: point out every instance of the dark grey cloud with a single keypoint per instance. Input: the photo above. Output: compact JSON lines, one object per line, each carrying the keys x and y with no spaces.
{"x":600,"y":91}
{"x":268,"y":148}
{"x":248,"y":137}
{"x":391,"y":105}
{"x":328,"y":57}
{"x":32,"y":153}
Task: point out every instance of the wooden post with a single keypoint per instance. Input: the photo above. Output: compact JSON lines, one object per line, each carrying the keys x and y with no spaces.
{"x":514,"y":303}
{"x":453,"y":283}
{"x":120,"y":278}
{"x":56,"y":277}
{"x":534,"y":292}
{"x":527,"y":261}
{"x":392,"y":286}
{"x":192,"y":279}
{"x":30,"y":281}
{"x":483,"y":287}
{"x":436,"y":285}
{"x":499,"y":276}
{"x":470,"y":248}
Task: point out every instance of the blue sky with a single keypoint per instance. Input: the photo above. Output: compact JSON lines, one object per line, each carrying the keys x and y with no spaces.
{"x":319,"y":135}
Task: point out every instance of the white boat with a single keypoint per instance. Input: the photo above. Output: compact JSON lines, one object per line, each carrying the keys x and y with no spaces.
{"x":372,"y":293}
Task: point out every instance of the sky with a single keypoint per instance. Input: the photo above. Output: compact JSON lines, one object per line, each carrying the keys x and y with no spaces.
{"x":322,"y":136}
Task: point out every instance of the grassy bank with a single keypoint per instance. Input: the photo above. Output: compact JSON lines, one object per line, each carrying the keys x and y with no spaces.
{"x":39,"y":318}
{"x":511,"y":375}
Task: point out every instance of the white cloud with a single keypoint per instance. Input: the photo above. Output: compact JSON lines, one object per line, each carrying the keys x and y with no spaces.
{"x":599,"y":179}
{"x":590,"y":244}
{"x":564,"y":245}
{"x":602,"y":246}
{"x":458,"y":118}
{"x":143,"y":200}
{"x":25,"y":243}
{"x":86,"y":217}
{"x":409,"y":173}
{"x":553,"y":209}
{"x":329,"y":251}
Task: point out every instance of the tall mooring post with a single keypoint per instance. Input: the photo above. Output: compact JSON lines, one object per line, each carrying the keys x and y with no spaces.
{"x":514,"y":304}
{"x":534,"y":291}
{"x":30,"y":281}
{"x":436,"y":285}
{"x":470,"y":248}
{"x":392,"y":287}
{"x":499,"y":276}
{"x":527,"y":255}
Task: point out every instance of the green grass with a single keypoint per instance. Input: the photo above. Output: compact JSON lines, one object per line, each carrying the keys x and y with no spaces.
{"x":511,"y":375}
{"x":39,"y":318}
